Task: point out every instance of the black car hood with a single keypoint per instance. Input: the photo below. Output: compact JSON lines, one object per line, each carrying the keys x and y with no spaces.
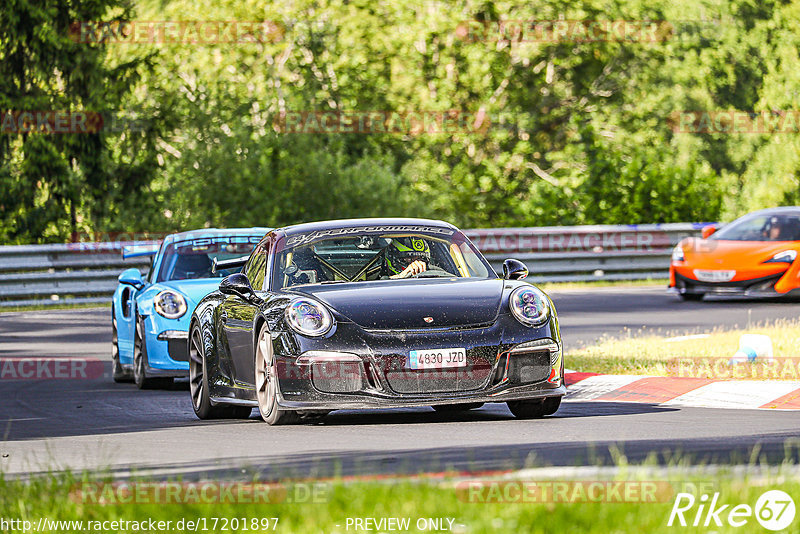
{"x":404,"y":304}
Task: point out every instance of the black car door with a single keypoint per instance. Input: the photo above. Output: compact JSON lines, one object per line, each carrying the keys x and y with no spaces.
{"x":237,"y":318}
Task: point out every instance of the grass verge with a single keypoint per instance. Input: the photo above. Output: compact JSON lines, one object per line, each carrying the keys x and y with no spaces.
{"x":618,"y":504}
{"x":54,"y":307}
{"x":578,"y":286}
{"x":663,"y":356}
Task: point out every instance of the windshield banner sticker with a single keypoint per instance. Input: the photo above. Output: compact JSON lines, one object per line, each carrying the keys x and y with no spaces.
{"x":303,"y":239}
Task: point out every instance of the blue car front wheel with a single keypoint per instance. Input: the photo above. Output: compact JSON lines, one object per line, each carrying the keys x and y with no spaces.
{"x":140,"y":362}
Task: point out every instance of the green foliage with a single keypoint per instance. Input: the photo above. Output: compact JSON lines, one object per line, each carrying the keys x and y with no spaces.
{"x":620,"y":188}
{"x":56,"y":184}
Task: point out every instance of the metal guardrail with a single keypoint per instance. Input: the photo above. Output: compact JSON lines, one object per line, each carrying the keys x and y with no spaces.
{"x":586,"y":253}
{"x":75,"y":273}
{"x":87,"y":272}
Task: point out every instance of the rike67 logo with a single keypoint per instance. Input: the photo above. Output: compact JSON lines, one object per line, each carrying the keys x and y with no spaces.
{"x":774,"y":510}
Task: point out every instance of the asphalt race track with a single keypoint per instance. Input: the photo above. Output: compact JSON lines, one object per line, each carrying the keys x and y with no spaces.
{"x":98,"y":425}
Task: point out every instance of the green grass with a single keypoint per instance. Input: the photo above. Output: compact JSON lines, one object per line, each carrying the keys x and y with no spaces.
{"x":549,"y":286}
{"x":660,"y":355}
{"x":54,"y":498}
{"x":64,"y":306}
{"x":577,"y":286}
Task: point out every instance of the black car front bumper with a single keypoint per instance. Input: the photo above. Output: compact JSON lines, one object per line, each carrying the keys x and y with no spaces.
{"x":363,"y":369}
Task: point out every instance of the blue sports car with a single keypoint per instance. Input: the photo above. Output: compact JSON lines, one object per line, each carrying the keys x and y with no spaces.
{"x":150,"y":315}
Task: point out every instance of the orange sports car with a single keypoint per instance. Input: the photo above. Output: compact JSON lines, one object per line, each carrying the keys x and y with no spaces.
{"x":752,"y":256}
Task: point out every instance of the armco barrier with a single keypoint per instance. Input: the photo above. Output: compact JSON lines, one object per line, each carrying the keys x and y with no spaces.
{"x":54,"y":274}
{"x":87,"y":272}
{"x":586,"y":253}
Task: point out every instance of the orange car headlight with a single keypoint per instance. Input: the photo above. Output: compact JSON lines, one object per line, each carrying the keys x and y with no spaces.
{"x":785,"y":256}
{"x":677,"y":253}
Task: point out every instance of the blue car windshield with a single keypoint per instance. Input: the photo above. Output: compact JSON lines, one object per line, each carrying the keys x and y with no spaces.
{"x":191,"y":259}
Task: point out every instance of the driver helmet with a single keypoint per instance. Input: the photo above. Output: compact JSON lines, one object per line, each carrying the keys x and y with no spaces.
{"x":772,"y":222}
{"x":402,"y":251}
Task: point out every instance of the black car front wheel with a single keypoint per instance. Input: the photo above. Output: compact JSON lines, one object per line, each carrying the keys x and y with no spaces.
{"x":140,"y":363}
{"x":534,"y":409}
{"x":198,"y":384}
{"x":267,"y":386}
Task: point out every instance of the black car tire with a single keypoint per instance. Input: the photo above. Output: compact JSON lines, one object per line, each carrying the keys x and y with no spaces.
{"x":118,"y":373}
{"x":527,"y":409}
{"x":534,"y":409}
{"x":267,"y":383}
{"x":313,"y":416}
{"x":458,"y":407}
{"x":198,"y":384}
{"x":551,"y":405}
{"x":690,"y":297}
{"x":140,"y":362}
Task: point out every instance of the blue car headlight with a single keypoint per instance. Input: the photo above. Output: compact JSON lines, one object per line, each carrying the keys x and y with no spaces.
{"x":308,"y":317}
{"x":529,"y":306}
{"x":170,"y":304}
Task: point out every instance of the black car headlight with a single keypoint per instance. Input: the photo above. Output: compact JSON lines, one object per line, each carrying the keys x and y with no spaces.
{"x":529,"y":305}
{"x":308,"y":318}
{"x":170,"y":304}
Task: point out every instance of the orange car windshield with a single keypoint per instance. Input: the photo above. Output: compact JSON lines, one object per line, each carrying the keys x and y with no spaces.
{"x":762,"y":227}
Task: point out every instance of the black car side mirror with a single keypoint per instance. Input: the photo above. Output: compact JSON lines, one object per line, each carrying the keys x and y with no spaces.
{"x":237,"y":284}
{"x":514,"y":270}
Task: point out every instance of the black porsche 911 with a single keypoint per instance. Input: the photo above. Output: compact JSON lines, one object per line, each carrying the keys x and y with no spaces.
{"x":372,"y":313}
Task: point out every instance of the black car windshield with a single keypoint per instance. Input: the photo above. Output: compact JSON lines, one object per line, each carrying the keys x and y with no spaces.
{"x":368,"y":256}
{"x":190,"y":259}
{"x":762,"y":227}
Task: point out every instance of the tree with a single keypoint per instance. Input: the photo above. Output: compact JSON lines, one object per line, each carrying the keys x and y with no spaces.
{"x":53,"y":185}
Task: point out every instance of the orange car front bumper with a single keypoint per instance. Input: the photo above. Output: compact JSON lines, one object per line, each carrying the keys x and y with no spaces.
{"x":766,"y":279}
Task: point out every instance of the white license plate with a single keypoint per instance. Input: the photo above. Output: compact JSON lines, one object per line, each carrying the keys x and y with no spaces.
{"x":437,"y":358}
{"x":714,"y":276}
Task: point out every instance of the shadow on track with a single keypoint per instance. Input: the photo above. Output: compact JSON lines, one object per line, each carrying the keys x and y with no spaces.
{"x":474,"y":461}
{"x":489,"y":412}
{"x":58,"y":408}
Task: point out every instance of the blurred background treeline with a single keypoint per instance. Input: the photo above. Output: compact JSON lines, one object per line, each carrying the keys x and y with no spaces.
{"x":580,"y":133}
